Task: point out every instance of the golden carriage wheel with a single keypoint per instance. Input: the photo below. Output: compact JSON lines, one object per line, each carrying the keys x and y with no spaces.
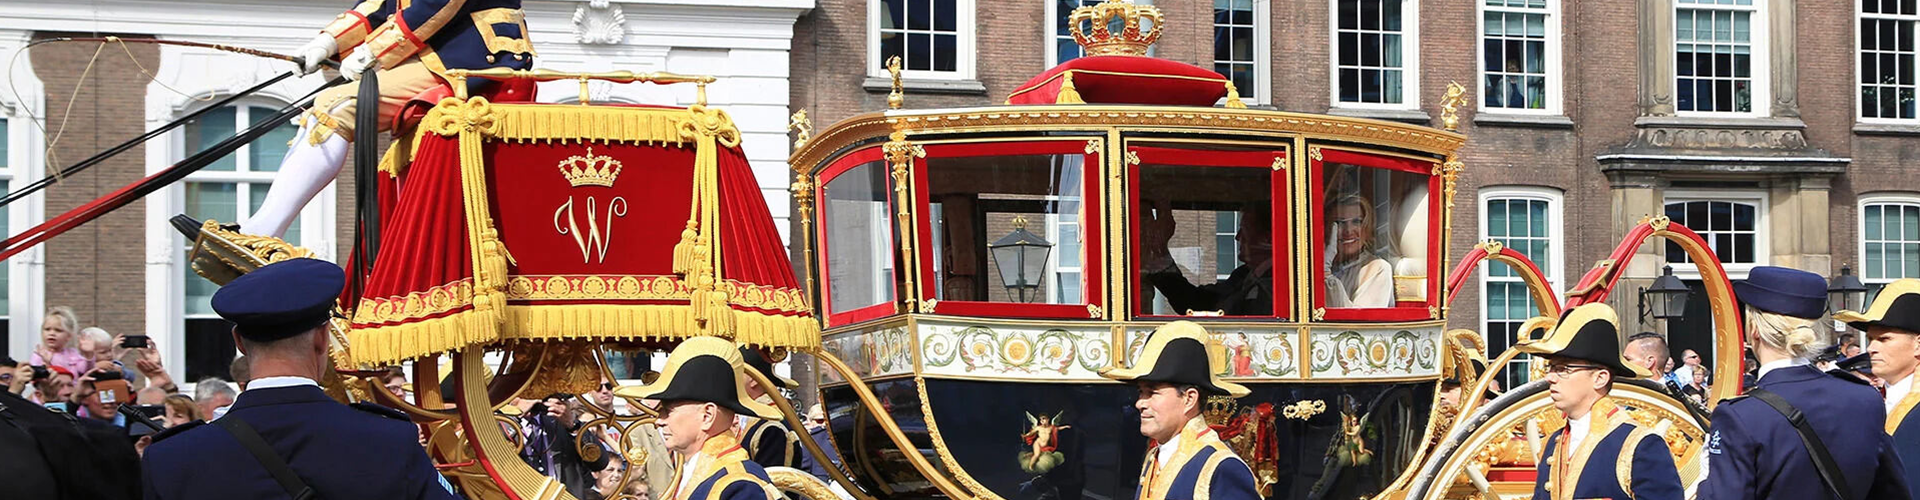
{"x":1507,"y":433}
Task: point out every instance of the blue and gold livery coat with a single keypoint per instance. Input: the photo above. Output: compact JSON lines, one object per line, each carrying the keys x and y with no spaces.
{"x":725,"y":473}
{"x":1618,"y":460}
{"x":1204,"y":468}
{"x":770,"y":444}
{"x":444,"y":34}
{"x":1904,"y":425}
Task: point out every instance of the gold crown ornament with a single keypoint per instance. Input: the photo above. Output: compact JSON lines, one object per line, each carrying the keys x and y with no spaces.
{"x":590,"y":170}
{"x":1140,"y":27}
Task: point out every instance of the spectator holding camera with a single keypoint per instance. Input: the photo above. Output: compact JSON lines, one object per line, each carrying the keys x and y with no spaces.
{"x":99,"y":396}
{"x":57,"y":342}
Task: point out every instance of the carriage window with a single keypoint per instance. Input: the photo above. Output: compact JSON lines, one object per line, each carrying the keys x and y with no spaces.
{"x":1007,"y":228}
{"x":1374,"y":225}
{"x":1204,"y":229}
{"x":859,"y":238}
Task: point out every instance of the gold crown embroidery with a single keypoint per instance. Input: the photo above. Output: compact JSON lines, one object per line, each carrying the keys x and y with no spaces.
{"x":590,"y":170}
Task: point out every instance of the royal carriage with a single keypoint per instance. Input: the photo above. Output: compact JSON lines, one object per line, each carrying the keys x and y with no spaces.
{"x":967,"y":275}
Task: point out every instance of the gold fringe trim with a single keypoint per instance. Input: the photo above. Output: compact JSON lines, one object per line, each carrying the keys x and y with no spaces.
{"x":473,"y":120}
{"x":653,"y":322}
{"x":564,"y":123}
{"x":386,"y":345}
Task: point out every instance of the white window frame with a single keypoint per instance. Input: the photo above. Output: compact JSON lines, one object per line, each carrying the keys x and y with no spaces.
{"x":1860,"y":16}
{"x":1052,"y":283}
{"x":1556,"y":76}
{"x":26,"y":272}
{"x":1235,"y":214}
{"x":1556,"y":251}
{"x":1410,"y":57}
{"x":1762,"y":73}
{"x":166,"y":259}
{"x":1262,"y":56}
{"x":964,"y":46}
{"x":1860,"y":228}
{"x":1762,"y":248}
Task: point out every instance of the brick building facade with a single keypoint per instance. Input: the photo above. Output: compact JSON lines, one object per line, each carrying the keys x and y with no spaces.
{"x":1745,"y":119}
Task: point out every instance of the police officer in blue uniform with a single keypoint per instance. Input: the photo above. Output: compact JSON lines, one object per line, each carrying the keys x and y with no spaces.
{"x":1602,"y":452}
{"x":1892,"y":324}
{"x":1188,"y":461}
{"x":700,"y":392}
{"x":284,"y":437}
{"x":1755,"y":452}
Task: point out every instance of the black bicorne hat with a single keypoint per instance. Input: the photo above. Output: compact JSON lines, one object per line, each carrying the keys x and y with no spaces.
{"x":1176,"y":353}
{"x":758,"y":361}
{"x":705,"y":369}
{"x":1589,"y":332}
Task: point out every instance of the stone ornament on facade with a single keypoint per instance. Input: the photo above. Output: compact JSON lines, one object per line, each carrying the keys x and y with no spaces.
{"x":599,"y":22}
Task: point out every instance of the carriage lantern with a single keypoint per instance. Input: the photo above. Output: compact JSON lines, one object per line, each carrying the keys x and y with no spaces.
{"x":1668,"y":296}
{"x":1845,"y":292}
{"x":1022,"y":259}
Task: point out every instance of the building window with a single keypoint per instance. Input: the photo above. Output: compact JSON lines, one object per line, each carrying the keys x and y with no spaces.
{"x":1240,"y":47}
{"x":1729,"y":224}
{"x":1886,"y":59}
{"x":1889,"y":241}
{"x":1376,"y":40}
{"x":1528,"y":221}
{"x":229,"y":190}
{"x":1716,"y":57}
{"x":1519,"y":49}
{"x":933,"y":38}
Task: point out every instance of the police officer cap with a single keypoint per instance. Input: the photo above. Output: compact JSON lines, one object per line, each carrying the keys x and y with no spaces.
{"x":1781,"y":290}
{"x":281,"y":299}
{"x":1862,"y":363}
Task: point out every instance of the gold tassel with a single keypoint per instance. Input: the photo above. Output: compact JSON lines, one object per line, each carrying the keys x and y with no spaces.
{"x":683,"y":259}
{"x":719,"y":314}
{"x":1233,"y":97}
{"x":1068,"y":94}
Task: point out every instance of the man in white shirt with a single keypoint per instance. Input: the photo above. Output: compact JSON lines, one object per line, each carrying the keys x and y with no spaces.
{"x":1892,"y":324}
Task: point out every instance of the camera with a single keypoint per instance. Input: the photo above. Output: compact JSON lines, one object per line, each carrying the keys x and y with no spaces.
{"x":135,"y":342}
{"x":41,"y":372}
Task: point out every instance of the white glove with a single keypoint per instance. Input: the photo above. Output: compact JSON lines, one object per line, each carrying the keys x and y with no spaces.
{"x":357,"y":62}
{"x":315,"y":52}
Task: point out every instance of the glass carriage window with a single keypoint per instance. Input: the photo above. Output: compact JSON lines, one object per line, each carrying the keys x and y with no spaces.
{"x":228,"y":190}
{"x":1204,"y":232}
{"x":1374,"y":225}
{"x":924,"y":33}
{"x":1890,"y":242}
{"x":1528,"y":224}
{"x":1886,"y":58}
{"x":1714,"y":54}
{"x":1514,"y":44}
{"x":1010,"y":222}
{"x":1731,"y":229}
{"x":1370,"y":38}
{"x":859,"y":239}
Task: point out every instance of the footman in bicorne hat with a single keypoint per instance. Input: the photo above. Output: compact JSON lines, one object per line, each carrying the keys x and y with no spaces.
{"x":1754,"y":452}
{"x":768,"y":440}
{"x":1892,"y":324}
{"x":700,"y":393}
{"x":1601,"y":453}
{"x":1188,"y":461}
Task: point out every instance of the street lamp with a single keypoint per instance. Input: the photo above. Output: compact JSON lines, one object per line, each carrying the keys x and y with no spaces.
{"x":1022,"y":259}
{"x":1668,"y":297}
{"x":1845,"y":292}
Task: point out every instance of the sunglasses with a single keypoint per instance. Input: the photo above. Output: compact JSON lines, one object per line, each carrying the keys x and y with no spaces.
{"x":606,"y":386}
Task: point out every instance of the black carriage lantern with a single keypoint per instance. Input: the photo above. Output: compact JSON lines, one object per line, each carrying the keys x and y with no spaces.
{"x":1022,"y":259}
{"x":1667,"y":299}
{"x":1845,"y":292}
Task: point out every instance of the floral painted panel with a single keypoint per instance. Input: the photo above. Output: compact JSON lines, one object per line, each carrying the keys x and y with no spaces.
{"x":1240,"y":352}
{"x":1387,"y":353}
{"x":878,"y":353}
{"x":1014,"y":352}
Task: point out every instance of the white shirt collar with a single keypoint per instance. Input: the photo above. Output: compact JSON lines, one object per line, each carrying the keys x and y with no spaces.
{"x":278,"y":382}
{"x":686,"y":474}
{"x":1577,"y":429}
{"x":1784,"y":363}
{"x":1166,"y":452}
{"x":1898,"y":391}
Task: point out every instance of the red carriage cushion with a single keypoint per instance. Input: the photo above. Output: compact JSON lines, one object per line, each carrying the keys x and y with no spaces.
{"x":1123,"y":80}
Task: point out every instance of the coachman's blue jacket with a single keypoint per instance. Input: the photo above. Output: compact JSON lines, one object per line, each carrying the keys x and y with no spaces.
{"x":1618,"y":459}
{"x":444,"y":34}
{"x":1203,"y":468}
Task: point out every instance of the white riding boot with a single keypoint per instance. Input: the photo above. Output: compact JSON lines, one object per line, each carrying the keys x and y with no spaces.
{"x":306,"y":170}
